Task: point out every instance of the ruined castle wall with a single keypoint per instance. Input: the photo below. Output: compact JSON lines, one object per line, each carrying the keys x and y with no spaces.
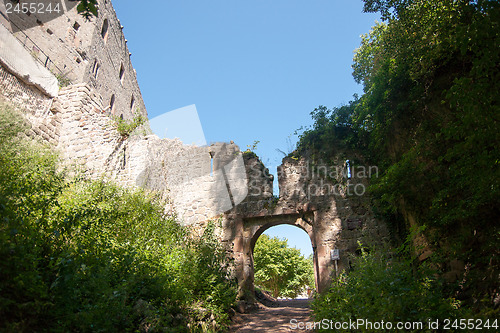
{"x":203,"y":182}
{"x":343,"y":218}
{"x":33,"y":103}
{"x":200,"y":182}
{"x":87,"y":137}
{"x":26,"y":97}
{"x":80,"y":51}
{"x":54,"y":35}
{"x":115,"y":75}
{"x":328,"y":203}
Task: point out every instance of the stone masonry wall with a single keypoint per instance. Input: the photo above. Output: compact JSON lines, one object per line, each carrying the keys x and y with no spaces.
{"x":218,"y":180}
{"x":87,"y":137}
{"x":200,"y":182}
{"x":182,"y":173}
{"x":329,"y":204}
{"x":35,"y":105}
{"x":53,"y":35}
{"x":342,"y":209}
{"x":112,"y":56}
{"x":79,"y":51}
{"x":28,"y":98}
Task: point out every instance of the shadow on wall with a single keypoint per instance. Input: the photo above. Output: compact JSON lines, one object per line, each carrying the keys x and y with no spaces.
{"x":203,"y":182}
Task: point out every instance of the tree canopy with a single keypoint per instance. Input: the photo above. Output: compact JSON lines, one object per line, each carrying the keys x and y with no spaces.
{"x":88,"y":8}
{"x":429,"y":118}
{"x":89,"y":256}
{"x":283,"y":270}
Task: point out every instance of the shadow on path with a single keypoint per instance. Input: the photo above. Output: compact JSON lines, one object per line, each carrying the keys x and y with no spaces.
{"x":276,"y":319}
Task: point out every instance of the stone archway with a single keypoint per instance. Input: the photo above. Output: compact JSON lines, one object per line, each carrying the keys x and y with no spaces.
{"x":293,"y":220}
{"x":334,"y":220}
{"x":258,"y":225}
{"x":289,"y":220}
{"x":250,"y":228}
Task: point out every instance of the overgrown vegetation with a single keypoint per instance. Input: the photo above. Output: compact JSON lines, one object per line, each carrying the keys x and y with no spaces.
{"x":429,"y":118}
{"x":63,"y":80}
{"x":127,"y":127}
{"x":388,"y":288}
{"x":88,"y":8}
{"x":281,"y":269}
{"x":88,"y":256}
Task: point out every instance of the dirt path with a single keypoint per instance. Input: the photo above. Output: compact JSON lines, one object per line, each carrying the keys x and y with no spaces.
{"x":273,"y":319}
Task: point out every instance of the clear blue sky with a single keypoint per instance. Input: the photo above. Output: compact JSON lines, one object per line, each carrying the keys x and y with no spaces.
{"x":254,"y":69}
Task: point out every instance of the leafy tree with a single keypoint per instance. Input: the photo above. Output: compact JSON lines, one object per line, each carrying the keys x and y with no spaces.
{"x":280,"y":268}
{"x":88,"y":8}
{"x":429,"y":118}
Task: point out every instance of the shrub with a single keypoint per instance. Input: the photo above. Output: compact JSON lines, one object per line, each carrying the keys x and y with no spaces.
{"x":86,"y":256}
{"x":381,"y":287}
{"x":127,"y":127}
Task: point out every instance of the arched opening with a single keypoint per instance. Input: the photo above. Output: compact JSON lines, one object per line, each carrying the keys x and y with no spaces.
{"x":132,"y":103}
{"x":122,"y":73}
{"x":284,"y":263}
{"x":104,"y":30}
{"x":95,"y":68}
{"x":296,"y":237}
{"x":112,"y":104}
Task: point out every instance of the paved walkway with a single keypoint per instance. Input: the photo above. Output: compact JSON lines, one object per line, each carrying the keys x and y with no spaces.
{"x":273,"y":320}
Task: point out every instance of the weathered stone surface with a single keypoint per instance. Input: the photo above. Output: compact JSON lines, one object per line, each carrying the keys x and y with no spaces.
{"x":18,"y":60}
{"x":80,"y":52}
{"x":334,"y":218}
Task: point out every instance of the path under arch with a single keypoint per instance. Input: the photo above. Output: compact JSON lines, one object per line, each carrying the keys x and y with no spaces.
{"x":273,"y":319}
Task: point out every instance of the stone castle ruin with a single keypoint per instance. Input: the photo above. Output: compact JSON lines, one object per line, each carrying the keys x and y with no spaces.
{"x":77,"y":51}
{"x":69,"y":76}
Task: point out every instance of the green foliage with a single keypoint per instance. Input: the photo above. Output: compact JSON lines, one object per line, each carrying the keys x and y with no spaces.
{"x":281,"y":269}
{"x":388,"y":288}
{"x":429,"y":119}
{"x":62,"y":79}
{"x":213,"y":288}
{"x":88,"y":8}
{"x":253,"y":146}
{"x":250,"y":152}
{"x":127,"y":127}
{"x":87,"y":256}
{"x":333,"y":128}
